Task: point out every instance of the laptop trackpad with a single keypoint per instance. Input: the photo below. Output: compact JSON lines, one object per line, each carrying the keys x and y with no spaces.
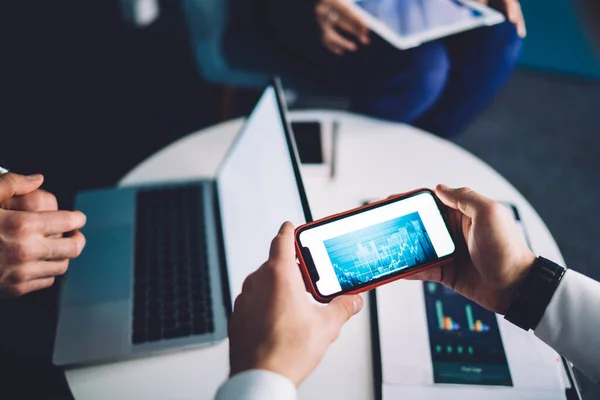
{"x":103,"y":272}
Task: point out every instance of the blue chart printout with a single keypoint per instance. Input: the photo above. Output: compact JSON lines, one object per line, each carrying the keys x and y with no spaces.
{"x":465,"y":342}
{"x":378,"y":250}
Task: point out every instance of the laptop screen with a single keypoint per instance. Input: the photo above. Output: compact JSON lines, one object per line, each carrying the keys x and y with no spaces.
{"x":259,"y":188}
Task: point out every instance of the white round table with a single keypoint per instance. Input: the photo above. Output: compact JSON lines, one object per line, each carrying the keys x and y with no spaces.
{"x":374,"y":159}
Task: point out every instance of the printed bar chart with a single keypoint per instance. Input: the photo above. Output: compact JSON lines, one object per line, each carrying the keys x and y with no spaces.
{"x":439,"y":310}
{"x":465,"y":341}
{"x":475,"y":325}
{"x":445,"y":323}
{"x":469,"y":312}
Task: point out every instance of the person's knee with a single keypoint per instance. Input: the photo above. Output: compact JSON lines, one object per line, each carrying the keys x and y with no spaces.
{"x":420,"y":80}
{"x":429,"y":70}
{"x":504,"y":40}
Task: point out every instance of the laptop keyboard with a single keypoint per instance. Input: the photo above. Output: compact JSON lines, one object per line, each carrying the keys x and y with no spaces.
{"x":171,"y":284}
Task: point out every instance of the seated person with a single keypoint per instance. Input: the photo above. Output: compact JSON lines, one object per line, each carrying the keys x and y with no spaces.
{"x":439,"y":86}
{"x":36,"y":243}
{"x":33,"y":250}
{"x":277,"y":335}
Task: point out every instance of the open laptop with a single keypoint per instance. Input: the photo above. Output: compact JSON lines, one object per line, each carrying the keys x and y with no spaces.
{"x":163,"y":263}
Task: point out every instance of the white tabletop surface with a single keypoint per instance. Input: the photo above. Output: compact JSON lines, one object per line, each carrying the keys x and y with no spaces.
{"x":374,"y":159}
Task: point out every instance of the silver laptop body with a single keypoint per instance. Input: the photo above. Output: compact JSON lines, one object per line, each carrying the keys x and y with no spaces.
{"x":109,"y":298}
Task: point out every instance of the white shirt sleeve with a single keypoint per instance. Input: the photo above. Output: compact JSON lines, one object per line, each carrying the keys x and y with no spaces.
{"x":571,"y":323}
{"x":257,"y":385}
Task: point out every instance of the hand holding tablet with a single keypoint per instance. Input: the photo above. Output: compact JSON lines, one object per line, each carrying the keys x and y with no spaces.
{"x":342,"y":27}
{"x":408,"y":23}
{"x":345,"y":24}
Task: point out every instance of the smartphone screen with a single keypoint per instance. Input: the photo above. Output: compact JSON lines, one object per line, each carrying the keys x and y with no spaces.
{"x":374,"y":243}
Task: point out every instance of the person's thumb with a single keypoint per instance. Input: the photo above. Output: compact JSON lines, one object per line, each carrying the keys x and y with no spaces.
{"x":342,"y":308}
{"x":282,"y":245}
{"x":12,"y":184}
{"x":465,"y":200}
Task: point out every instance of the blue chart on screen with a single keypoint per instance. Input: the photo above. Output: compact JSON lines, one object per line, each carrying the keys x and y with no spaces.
{"x":379,"y":250}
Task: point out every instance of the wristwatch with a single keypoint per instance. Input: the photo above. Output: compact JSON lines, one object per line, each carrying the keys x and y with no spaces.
{"x":534,"y":294}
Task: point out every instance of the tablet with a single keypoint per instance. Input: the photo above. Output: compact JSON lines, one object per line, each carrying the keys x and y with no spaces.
{"x":408,"y":23}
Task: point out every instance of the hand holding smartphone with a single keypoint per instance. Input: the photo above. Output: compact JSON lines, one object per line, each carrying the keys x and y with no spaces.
{"x":360,"y":249}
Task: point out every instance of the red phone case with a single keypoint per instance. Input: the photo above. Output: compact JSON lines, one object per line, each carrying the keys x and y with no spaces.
{"x":326,"y":299}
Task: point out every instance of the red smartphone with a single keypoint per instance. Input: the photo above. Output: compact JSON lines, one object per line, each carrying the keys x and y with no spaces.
{"x":366,"y":247}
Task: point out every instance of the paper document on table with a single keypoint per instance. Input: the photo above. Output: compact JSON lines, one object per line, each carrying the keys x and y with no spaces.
{"x":434,"y":341}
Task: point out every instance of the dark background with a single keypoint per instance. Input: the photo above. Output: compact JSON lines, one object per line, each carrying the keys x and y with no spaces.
{"x":84,"y":97}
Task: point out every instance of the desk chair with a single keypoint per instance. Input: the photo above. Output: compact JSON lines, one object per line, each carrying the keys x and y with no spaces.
{"x":229,"y":50}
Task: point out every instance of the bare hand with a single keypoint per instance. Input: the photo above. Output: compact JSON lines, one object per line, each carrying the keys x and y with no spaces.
{"x":336,"y":16}
{"x":32,"y":249}
{"x":513,"y":11}
{"x":275,"y":325}
{"x":38,"y":200}
{"x":492,"y":257}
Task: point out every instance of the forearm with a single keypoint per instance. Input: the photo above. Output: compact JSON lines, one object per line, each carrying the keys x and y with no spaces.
{"x":571,"y":323}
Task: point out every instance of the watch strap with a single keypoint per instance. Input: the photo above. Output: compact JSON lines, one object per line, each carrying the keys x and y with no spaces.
{"x":534,"y":294}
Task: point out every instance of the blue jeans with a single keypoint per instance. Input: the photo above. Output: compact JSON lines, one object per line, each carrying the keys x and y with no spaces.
{"x":440,"y":86}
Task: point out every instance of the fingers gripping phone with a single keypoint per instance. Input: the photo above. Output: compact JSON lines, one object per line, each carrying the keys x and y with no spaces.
{"x":366,"y":247}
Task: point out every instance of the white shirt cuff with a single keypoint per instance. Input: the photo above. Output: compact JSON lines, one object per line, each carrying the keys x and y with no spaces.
{"x":257,"y":385}
{"x":571,"y":323}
